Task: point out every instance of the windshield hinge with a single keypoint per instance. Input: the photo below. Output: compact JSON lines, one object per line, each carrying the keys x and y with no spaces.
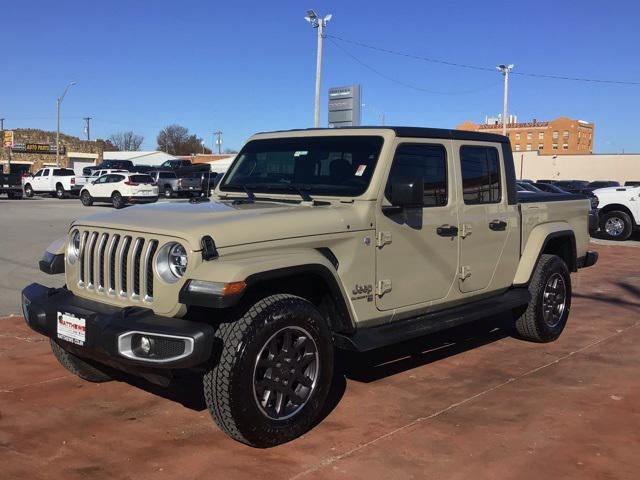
{"x":382,"y":287}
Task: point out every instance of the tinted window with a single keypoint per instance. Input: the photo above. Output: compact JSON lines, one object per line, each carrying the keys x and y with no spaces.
{"x":167,"y":175}
{"x":38,"y":173}
{"x":115,"y":178}
{"x":480,"y":175}
{"x":139,"y":178}
{"x":332,"y":165}
{"x":63,"y":172}
{"x":103,"y":179}
{"x":426,"y":162}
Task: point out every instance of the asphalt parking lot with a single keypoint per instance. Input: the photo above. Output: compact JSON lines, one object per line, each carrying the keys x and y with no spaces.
{"x":471,"y":403}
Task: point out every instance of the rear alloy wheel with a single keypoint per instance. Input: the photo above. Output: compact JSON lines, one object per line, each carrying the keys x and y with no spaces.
{"x":85,"y":198}
{"x":616,"y":225}
{"x":117,"y":200}
{"x":168,"y":192}
{"x":28,"y":191}
{"x":60,"y":192}
{"x":274,"y":372}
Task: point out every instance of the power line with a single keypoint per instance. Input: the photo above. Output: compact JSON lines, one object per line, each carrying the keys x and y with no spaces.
{"x":478,"y":67}
{"x":400,"y":82}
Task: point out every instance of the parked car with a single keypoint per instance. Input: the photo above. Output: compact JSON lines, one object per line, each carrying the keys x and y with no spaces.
{"x":170,"y":184}
{"x":551,"y":182}
{"x":320,"y":241}
{"x":601,"y":184}
{"x":175,"y":164}
{"x":54,"y":181}
{"x":632,"y":183}
{"x":110,"y":165}
{"x":10,"y":184}
{"x":82,"y":180}
{"x":619,"y":211}
{"x":120,"y":189}
{"x":548,"y":187}
{"x":579,"y":187}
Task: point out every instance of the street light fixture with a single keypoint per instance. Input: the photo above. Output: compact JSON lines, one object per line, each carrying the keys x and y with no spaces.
{"x":505,"y":70}
{"x":58,"y":102}
{"x":320,"y":24}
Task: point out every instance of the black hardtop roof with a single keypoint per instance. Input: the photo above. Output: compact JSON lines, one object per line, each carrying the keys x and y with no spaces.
{"x":416,"y":132}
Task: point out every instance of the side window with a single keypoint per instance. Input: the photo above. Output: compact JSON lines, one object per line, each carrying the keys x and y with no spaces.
{"x":38,"y":173}
{"x":480,"y":167}
{"x":103,"y":179}
{"x":428,"y":162}
{"x":116,"y":178}
{"x":46,"y":172}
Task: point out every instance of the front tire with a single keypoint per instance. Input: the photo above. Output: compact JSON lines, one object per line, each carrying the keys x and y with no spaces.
{"x":78,"y":366}
{"x":85,"y":198}
{"x":274,"y":373}
{"x":168,"y":192}
{"x":117,"y":200}
{"x":616,"y":225}
{"x":546,"y":315}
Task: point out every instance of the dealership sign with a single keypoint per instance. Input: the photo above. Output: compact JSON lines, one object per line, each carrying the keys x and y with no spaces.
{"x":7,"y":141}
{"x":36,"y":148}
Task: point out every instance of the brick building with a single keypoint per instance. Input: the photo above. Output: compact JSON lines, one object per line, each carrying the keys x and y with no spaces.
{"x":34,"y":149}
{"x":553,"y":137}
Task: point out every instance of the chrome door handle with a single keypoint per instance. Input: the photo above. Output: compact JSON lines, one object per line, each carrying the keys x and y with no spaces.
{"x":498,"y":225}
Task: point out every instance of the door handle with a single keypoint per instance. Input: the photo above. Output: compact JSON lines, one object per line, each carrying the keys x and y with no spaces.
{"x":447,"y":231}
{"x":498,"y":225}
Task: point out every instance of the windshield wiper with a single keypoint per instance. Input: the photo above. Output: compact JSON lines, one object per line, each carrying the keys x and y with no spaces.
{"x":250,"y":195}
{"x":305,"y":196}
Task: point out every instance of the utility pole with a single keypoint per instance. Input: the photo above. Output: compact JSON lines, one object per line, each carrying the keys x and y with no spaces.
{"x":218,"y":141}
{"x":319,"y":24}
{"x":505,"y":70}
{"x":58,"y":102}
{"x":87,"y":127}
{"x":1,"y":124}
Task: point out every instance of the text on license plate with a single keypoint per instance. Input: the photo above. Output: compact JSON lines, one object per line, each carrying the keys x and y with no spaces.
{"x":71,"y":328}
{"x":145,"y":193}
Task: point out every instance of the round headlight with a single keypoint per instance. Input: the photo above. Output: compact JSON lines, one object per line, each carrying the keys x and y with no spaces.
{"x":171,"y":262}
{"x":178,"y":260}
{"x":73,"y":249}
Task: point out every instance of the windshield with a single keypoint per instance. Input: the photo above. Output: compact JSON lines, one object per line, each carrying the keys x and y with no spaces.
{"x":334,"y":166}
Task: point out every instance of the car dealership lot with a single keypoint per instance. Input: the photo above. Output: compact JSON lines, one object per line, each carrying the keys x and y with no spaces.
{"x":470,"y":403}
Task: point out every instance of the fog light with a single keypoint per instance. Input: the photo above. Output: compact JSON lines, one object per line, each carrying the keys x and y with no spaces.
{"x":145,"y":345}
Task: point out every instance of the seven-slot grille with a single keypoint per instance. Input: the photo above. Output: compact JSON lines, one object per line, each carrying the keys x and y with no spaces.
{"x":117,"y":265}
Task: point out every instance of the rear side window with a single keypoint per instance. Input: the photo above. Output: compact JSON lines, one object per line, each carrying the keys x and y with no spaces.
{"x":115,"y":178}
{"x":140,"y":178}
{"x":428,"y":162}
{"x":63,"y":172}
{"x":480,"y":167}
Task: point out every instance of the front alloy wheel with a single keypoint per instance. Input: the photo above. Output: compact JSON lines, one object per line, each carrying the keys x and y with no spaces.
{"x":273,"y":373}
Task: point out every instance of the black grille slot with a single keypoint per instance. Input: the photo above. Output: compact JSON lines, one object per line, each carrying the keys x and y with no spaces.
{"x":112,"y":262}
{"x":137,"y":255}
{"x":102,"y":246}
{"x":124,"y":255}
{"x":90,"y":257}
{"x":153,"y":246}
{"x":83,"y":252}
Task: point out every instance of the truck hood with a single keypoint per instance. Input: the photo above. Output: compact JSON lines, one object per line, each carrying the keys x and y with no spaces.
{"x":230,"y":224}
{"x":613,"y":190}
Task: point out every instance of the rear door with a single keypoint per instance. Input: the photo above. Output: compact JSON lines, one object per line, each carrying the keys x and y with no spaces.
{"x":417,"y":249}
{"x":488,"y":225}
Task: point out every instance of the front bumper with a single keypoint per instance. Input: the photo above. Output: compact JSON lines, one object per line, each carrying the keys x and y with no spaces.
{"x":108,"y":330}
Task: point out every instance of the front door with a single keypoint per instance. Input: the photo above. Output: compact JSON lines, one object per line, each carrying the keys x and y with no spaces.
{"x":417,"y":248}
{"x":486,"y":220}
{"x":40,"y":180}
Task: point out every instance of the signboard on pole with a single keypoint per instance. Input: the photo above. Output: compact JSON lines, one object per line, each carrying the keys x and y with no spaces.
{"x":7,"y":140}
{"x":344,"y":106}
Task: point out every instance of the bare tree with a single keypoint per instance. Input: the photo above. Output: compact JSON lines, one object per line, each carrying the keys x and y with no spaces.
{"x":176,"y":140}
{"x":126,"y":141}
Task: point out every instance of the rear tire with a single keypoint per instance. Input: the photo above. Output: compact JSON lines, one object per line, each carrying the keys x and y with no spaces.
{"x":275,"y":368}
{"x":168,"y":192}
{"x":60,"y":192}
{"x":28,"y":191}
{"x":77,"y":366}
{"x":616,"y":225}
{"x":548,"y":310}
{"x":85,"y":198}
{"x":117,"y":200}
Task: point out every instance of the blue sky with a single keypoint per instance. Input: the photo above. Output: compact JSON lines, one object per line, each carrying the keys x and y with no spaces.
{"x":243,"y":67}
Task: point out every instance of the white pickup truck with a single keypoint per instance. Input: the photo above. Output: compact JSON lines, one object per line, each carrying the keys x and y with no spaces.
{"x":53,"y":181}
{"x":619,"y":211}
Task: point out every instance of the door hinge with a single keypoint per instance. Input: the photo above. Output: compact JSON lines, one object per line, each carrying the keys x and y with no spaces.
{"x":382,"y":287}
{"x":382,"y":239}
{"x":465,"y":231}
{"x":465,"y":272}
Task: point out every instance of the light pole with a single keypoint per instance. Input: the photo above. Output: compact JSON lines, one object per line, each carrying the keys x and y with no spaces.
{"x":318,"y":23}
{"x":58,"y":102}
{"x":505,"y":70}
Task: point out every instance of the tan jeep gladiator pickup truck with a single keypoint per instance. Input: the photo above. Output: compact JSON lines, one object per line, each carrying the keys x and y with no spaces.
{"x":353,"y":238}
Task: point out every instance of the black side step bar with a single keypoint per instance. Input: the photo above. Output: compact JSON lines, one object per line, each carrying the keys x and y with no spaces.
{"x":389,"y":333}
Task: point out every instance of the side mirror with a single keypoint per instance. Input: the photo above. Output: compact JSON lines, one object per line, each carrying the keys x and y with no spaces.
{"x":93,"y":182}
{"x":407,"y":194}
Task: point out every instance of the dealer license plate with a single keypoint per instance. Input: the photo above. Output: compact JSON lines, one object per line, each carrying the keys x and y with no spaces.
{"x":145,"y":193}
{"x":71,"y":328}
